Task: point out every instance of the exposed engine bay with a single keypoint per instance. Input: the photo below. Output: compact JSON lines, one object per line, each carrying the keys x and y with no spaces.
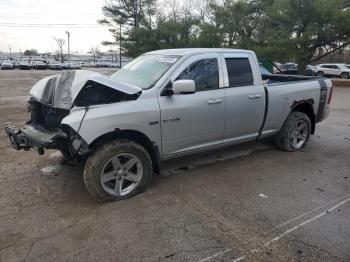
{"x":44,"y":116}
{"x":52,"y":100}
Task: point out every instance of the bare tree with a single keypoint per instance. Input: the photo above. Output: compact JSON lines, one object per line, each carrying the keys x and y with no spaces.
{"x":113,"y":52}
{"x":94,"y":51}
{"x":202,"y":8}
{"x":60,"y":43}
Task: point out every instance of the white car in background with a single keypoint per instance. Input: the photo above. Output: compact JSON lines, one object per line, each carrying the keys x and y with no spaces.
{"x":340,"y":70}
{"x":24,"y":65}
{"x":55,"y":66}
{"x":7,"y":65}
{"x":75,"y":66}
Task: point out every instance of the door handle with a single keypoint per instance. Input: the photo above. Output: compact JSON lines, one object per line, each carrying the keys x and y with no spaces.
{"x":213,"y":102}
{"x":254,"y":96}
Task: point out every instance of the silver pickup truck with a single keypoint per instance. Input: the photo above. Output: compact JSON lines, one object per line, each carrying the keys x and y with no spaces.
{"x":166,"y":104}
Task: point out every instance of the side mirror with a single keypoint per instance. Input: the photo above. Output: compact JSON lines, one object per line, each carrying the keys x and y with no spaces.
{"x":184,"y":87}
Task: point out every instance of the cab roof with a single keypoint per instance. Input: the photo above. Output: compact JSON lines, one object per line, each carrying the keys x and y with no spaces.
{"x":193,"y":51}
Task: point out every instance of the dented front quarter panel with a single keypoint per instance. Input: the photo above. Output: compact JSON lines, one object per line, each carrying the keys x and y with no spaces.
{"x":140,"y":115}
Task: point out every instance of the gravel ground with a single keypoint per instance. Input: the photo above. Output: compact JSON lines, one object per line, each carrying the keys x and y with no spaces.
{"x":245,"y":203}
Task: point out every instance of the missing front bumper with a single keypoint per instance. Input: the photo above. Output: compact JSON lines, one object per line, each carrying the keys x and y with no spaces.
{"x":31,"y":137}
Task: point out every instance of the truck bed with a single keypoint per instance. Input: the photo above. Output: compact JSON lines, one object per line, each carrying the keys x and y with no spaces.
{"x":284,"y":92}
{"x":280,"y":79}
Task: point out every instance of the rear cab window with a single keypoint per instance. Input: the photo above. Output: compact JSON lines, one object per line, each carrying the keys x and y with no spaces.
{"x":239,"y":71}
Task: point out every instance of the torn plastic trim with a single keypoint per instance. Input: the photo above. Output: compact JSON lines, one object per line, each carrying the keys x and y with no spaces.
{"x":76,"y":147}
{"x":79,"y":145}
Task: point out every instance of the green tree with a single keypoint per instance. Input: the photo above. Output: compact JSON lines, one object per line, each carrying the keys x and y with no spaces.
{"x":241,"y":21}
{"x":178,"y":30}
{"x":307,"y":29}
{"x":300,"y":30}
{"x":130,"y":14}
{"x":31,"y":52}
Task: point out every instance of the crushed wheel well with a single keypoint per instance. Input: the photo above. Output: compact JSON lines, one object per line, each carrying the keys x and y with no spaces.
{"x":307,"y":109}
{"x":135,"y":136}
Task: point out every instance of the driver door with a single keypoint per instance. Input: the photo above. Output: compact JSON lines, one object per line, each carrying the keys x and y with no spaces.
{"x":194,"y":121}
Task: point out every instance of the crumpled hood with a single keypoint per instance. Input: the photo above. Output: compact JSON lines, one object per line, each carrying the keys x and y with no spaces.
{"x":61,"y":90}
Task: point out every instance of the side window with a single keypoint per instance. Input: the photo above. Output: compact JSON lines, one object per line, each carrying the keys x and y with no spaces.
{"x":239,"y":72}
{"x":205,"y":74}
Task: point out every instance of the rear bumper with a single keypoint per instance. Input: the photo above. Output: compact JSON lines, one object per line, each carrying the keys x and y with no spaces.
{"x":31,"y":137}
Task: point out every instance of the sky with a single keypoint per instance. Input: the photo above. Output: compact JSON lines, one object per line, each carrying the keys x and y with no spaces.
{"x":27,"y":24}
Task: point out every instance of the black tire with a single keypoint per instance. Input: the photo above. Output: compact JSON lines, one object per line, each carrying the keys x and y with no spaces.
{"x":320,"y":74}
{"x":285,"y":139}
{"x":97,"y":161}
{"x":344,"y":75}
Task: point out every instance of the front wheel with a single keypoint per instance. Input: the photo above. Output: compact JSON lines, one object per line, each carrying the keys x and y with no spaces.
{"x":320,"y":74}
{"x":344,"y":75}
{"x":117,"y":170}
{"x":295,"y":132}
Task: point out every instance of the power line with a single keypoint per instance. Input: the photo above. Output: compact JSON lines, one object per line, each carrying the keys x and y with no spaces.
{"x":48,"y":24}
{"x":51,"y":25}
{"x":41,"y":14}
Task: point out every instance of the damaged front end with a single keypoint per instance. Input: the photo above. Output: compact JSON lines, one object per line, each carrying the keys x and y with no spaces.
{"x":53,"y":99}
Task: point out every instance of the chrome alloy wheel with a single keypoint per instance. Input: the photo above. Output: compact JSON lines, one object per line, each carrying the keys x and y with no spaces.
{"x":121,"y":174}
{"x":300,"y":134}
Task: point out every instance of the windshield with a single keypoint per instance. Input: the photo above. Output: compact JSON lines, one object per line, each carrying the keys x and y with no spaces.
{"x":146,"y":70}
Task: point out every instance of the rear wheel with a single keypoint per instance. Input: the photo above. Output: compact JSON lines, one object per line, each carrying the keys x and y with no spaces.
{"x":118,"y":170}
{"x":344,"y":75}
{"x":295,"y":132}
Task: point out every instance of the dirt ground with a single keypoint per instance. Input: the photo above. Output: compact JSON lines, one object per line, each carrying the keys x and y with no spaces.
{"x":245,"y":203}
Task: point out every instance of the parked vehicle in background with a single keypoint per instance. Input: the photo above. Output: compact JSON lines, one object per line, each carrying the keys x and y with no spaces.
{"x":65,"y":66}
{"x":277,"y":67}
{"x":311,"y":70}
{"x":40,"y":65}
{"x":15,"y":64}
{"x":339,"y":70}
{"x":24,"y":65}
{"x":75,"y":66}
{"x":55,"y":66}
{"x":7,"y":65}
{"x":167,"y":104}
{"x":290,"y":68}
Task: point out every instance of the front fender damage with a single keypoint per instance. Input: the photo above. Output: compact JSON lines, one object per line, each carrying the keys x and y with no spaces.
{"x":58,"y":106}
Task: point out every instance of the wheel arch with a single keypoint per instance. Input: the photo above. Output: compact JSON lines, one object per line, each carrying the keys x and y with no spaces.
{"x":344,"y":72}
{"x":306,"y":107}
{"x":135,"y":136}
